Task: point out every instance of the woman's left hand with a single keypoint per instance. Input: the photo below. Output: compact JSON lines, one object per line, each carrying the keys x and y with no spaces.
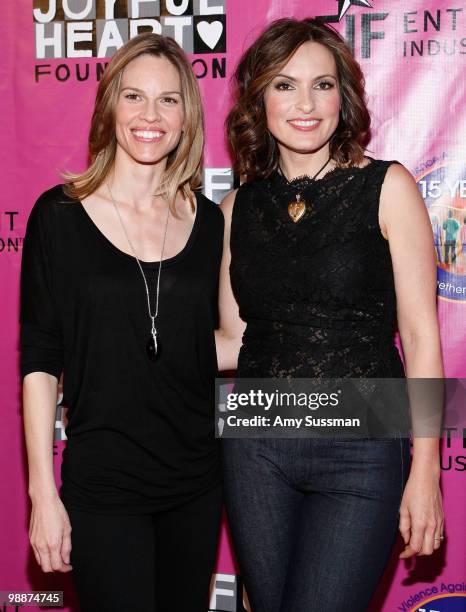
{"x":421,"y":513}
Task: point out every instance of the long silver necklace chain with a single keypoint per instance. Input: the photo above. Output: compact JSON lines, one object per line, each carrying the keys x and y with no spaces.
{"x":152,"y":346}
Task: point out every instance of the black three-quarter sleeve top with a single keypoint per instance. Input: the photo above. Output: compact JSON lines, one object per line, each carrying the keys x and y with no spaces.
{"x":140,"y":433}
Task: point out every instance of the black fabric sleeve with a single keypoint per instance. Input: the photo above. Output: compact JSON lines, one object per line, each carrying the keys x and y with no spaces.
{"x":40,"y":331}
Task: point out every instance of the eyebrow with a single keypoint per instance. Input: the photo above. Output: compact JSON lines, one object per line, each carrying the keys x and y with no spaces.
{"x":163,"y":93}
{"x":321,"y":76}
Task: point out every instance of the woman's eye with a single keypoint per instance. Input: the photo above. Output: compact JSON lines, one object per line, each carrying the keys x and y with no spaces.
{"x":283,"y":86}
{"x":170,"y":100}
{"x":325,"y":85}
{"x":131,"y":96}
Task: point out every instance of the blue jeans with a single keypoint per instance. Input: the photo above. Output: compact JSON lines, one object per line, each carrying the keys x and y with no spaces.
{"x":313,"y":521}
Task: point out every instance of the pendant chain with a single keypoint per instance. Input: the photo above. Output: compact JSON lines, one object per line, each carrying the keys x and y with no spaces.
{"x":152,"y":316}
{"x":312,"y":177}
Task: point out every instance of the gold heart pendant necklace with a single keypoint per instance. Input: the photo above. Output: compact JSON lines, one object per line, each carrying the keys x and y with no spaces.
{"x":297,"y":208}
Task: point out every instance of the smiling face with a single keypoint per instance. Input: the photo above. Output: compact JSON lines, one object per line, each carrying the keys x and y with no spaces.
{"x":149,"y":113}
{"x":302,"y":103}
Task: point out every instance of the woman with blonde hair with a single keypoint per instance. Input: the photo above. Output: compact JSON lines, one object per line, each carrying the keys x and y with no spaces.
{"x":119,"y":291}
{"x":326,"y":251}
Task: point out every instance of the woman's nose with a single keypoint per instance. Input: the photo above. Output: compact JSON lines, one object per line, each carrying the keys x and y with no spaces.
{"x":305,"y":101}
{"x":151,"y":112}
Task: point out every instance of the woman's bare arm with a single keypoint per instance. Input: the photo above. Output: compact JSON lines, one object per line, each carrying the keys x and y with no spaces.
{"x":50,"y":529}
{"x":228,"y":338}
{"x":405,"y":223}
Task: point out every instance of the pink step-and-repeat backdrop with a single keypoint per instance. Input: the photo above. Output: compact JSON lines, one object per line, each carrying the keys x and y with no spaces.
{"x":413,"y":53}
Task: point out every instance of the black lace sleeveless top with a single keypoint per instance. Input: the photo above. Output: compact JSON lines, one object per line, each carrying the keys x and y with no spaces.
{"x":318,"y":296}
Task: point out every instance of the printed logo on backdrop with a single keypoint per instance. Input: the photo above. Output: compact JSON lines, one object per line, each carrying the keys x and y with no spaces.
{"x":10,"y":242}
{"x":80,"y":29}
{"x":217,"y":182}
{"x":358,"y":24}
{"x":422,"y":32}
{"x":453,"y":455}
{"x":344,"y":5}
{"x":443,"y":597}
{"x":443,"y":187}
{"x":227,"y":594}
{"x":443,"y":603}
{"x":60,"y":414}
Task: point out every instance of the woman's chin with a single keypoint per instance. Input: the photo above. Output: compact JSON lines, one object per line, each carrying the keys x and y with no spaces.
{"x":303,"y":148}
{"x":147,"y":159}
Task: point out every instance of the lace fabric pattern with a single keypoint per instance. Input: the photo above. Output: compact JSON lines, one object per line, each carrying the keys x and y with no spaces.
{"x":318,"y":296}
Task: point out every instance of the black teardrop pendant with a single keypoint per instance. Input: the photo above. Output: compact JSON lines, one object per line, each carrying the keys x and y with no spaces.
{"x":153,"y":352}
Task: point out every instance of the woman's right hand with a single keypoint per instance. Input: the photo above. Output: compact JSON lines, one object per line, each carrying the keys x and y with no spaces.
{"x":50,"y":534}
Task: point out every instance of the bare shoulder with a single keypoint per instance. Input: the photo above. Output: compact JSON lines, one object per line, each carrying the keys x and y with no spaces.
{"x":400,"y":199}
{"x":398,"y":177}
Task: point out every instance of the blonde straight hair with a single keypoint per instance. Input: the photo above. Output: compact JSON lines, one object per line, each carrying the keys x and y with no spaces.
{"x":184,"y":164}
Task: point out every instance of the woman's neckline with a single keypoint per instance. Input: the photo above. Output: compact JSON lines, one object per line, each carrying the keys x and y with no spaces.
{"x":308,"y":179}
{"x":123,"y":254}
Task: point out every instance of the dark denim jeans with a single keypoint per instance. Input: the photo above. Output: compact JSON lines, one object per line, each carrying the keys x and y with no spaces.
{"x":313,"y":521}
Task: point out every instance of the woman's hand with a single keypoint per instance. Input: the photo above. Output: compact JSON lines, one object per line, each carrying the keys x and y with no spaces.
{"x":421,"y":513}
{"x":50,"y":534}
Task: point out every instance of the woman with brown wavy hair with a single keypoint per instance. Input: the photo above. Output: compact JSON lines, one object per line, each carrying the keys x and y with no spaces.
{"x":119,"y":292}
{"x":325,"y":250}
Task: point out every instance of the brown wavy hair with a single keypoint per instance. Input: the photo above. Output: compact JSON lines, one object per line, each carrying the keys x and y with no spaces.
{"x":254,"y":149}
{"x":184,"y":164}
